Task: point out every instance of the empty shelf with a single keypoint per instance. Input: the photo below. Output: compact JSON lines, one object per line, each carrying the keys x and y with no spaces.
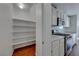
{"x":22,"y":19}
{"x":23,"y":42}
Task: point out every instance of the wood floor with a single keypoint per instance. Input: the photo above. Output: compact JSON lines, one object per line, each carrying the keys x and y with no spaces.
{"x":25,"y":51}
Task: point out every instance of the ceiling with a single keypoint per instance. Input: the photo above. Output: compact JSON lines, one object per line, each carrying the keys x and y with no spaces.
{"x":68,"y":7}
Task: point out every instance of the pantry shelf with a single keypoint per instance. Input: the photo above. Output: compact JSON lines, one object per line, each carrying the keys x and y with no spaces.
{"x":22,"y":19}
{"x":24,"y":31}
{"x":24,"y":42}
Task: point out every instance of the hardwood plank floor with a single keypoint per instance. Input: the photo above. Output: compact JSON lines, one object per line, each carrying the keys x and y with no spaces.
{"x":25,"y":51}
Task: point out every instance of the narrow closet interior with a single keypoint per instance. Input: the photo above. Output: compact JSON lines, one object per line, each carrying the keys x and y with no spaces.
{"x":24,"y":27}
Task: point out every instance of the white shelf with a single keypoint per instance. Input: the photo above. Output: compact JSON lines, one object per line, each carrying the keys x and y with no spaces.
{"x":23,"y":37}
{"x":23,"y":42}
{"x":22,"y":19}
{"x":24,"y":31}
{"x":23,"y":26}
{"x":24,"y":34}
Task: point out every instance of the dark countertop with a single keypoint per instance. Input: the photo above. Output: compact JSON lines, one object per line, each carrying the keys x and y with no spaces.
{"x":62,"y":34}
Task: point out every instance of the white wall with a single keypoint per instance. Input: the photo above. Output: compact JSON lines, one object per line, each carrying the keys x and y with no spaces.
{"x":73,"y":24}
{"x":78,"y":25}
{"x":5,"y":30}
{"x":27,"y":13}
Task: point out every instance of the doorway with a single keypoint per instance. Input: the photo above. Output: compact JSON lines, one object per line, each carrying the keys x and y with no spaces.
{"x":24,"y":29}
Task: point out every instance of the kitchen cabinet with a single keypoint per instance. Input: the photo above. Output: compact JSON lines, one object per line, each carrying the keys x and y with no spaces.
{"x":66,"y":21}
{"x":61,"y":47}
{"x":54,"y":16}
{"x":58,"y":13}
{"x":55,"y":48}
{"x":57,"y":45}
{"x":61,"y":15}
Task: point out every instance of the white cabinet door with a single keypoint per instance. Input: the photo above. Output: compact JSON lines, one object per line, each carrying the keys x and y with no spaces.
{"x":55,"y":51}
{"x":55,"y":48}
{"x":61,"y":47}
{"x":54,"y":16}
{"x":57,"y":45}
{"x":66,"y":20}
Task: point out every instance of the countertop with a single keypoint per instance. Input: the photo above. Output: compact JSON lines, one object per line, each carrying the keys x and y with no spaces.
{"x":63,"y":33}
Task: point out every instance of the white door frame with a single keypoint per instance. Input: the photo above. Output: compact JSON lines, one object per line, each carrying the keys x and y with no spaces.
{"x":38,"y":29}
{"x":43,"y":29}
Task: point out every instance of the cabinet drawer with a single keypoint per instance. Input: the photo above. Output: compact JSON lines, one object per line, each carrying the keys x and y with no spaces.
{"x":54,"y":16}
